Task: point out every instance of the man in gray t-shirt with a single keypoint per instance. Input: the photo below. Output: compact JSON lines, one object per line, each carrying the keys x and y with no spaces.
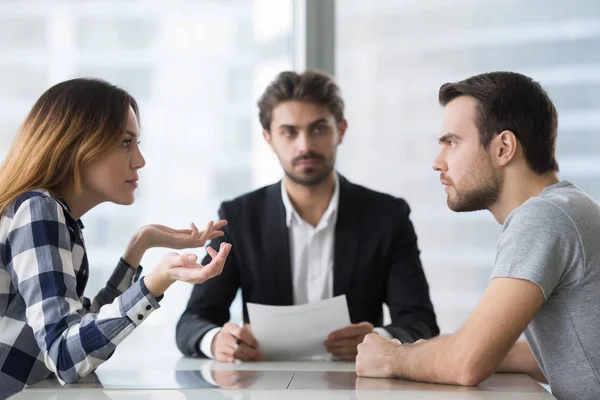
{"x":497,"y":153}
{"x":552,"y":241}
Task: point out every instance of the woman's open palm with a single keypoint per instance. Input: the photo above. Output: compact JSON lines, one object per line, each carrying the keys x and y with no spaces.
{"x":163,"y":236}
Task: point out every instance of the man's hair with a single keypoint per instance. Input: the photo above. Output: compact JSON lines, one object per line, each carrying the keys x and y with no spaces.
{"x":514,"y":102}
{"x":311,"y":87}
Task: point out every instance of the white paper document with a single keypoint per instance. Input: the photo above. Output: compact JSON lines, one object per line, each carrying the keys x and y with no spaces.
{"x":296,"y":332}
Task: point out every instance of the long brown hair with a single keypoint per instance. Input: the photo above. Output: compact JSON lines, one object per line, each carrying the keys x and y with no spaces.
{"x":72,"y":124}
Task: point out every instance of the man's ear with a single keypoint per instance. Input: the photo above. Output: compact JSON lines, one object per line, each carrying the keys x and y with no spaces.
{"x":504,"y":147}
{"x":342,"y":126}
{"x":267,"y":137}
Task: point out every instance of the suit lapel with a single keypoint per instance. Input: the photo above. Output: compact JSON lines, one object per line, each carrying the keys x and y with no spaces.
{"x":346,"y":240}
{"x":277,"y":247}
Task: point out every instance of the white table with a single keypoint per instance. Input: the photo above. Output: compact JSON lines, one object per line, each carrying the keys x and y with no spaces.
{"x":270,"y":381}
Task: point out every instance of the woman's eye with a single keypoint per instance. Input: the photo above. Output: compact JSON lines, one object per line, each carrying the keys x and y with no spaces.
{"x":126,"y":143}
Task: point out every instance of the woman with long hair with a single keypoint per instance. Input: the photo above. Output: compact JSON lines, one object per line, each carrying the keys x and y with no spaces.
{"x":77,"y":148}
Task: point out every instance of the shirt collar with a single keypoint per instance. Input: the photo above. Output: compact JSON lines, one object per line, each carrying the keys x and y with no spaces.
{"x":290,"y":211}
{"x":62,"y":202}
{"x":65,"y":207}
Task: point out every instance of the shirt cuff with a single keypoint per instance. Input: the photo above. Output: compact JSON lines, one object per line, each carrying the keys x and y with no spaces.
{"x":383,"y":333}
{"x":206,"y":342}
{"x":137,"y":303}
{"x":124,"y":276}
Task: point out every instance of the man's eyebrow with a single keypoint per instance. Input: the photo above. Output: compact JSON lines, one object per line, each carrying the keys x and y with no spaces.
{"x":287,"y":126}
{"x":447,"y":137}
{"x":317,"y":122}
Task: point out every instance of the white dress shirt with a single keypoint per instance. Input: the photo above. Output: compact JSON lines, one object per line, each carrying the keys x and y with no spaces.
{"x":311,"y":250}
{"x":311,"y":255}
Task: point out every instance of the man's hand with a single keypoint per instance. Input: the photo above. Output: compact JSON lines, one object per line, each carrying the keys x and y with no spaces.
{"x":376,"y":357}
{"x":235,"y":343}
{"x":343,"y":343}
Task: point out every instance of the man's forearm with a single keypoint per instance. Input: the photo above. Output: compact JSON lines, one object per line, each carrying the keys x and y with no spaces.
{"x":433,"y":361}
{"x":520,"y":360}
{"x":448,"y":359}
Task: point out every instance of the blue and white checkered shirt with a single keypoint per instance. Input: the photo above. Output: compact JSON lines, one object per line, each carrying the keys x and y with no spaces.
{"x":46,"y":325}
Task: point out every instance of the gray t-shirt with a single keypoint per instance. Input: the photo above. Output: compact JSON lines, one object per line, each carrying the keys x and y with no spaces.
{"x":553,"y":240}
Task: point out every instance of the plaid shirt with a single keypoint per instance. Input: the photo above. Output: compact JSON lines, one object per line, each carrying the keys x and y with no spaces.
{"x":46,"y":325}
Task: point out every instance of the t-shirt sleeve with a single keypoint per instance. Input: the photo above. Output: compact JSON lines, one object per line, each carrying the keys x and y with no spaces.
{"x":540,"y":243}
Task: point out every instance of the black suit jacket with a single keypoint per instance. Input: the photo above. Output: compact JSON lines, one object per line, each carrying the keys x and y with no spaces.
{"x":376,"y":261}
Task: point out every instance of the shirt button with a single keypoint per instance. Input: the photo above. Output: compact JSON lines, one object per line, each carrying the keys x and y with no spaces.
{"x":140,"y":317}
{"x":148,"y":308}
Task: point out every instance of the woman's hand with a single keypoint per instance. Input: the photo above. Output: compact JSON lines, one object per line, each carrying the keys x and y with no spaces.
{"x":184,"y":267}
{"x":162,"y":236}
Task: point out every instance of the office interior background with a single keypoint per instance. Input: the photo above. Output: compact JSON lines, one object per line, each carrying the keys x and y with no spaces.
{"x":197,"y":68}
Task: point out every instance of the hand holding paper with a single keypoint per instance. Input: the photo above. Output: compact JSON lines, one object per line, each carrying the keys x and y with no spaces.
{"x":344,"y":342}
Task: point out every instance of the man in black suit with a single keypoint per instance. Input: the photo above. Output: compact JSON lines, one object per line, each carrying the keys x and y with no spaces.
{"x":312,"y":236}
